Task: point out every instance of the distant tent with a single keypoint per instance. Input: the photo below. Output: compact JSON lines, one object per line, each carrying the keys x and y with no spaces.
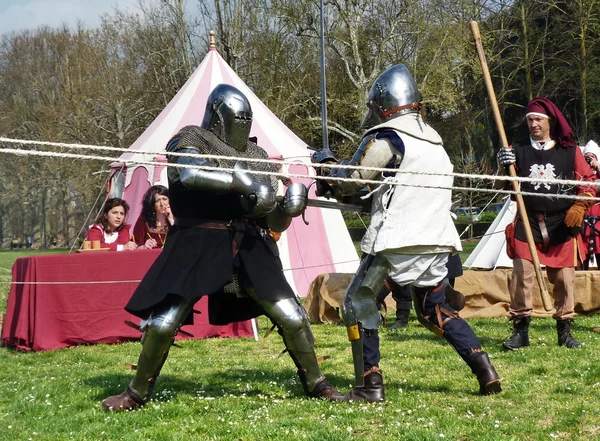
{"x":490,"y":252}
{"x":324,"y":246}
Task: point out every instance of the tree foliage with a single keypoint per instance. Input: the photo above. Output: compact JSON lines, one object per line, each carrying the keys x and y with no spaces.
{"x":104,"y":86}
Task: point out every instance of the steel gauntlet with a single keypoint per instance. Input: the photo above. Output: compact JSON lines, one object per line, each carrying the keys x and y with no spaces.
{"x":506,"y":157}
{"x":261,"y":196}
{"x":293,"y":205}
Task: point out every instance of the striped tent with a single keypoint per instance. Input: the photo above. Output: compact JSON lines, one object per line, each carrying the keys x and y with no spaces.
{"x":323,"y":246}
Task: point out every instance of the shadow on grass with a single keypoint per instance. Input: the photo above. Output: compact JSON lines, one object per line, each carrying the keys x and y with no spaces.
{"x":231,"y":382}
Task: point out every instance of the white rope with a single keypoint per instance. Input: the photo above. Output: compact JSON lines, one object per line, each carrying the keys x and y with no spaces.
{"x":327,"y":178}
{"x":105,"y":282}
{"x":285,"y":162}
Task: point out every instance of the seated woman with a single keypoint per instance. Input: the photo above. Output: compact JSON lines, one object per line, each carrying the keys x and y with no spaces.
{"x":110,"y":227}
{"x":150,"y":230}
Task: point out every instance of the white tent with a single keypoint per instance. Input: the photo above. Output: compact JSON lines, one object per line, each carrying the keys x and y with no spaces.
{"x":490,"y":252}
{"x":323,"y":246}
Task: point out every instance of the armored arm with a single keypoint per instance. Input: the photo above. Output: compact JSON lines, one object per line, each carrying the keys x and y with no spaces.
{"x":261,"y":196}
{"x":380,"y":149}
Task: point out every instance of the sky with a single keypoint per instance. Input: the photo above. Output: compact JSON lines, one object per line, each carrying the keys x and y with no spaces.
{"x":17,"y":15}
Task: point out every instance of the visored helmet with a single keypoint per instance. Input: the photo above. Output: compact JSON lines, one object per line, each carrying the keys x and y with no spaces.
{"x":229,"y":116}
{"x":394,"y":93}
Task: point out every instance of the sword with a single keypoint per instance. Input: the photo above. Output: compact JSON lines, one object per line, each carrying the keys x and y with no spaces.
{"x":319,"y":203}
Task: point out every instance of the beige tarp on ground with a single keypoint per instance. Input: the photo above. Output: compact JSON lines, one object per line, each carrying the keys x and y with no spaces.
{"x":325,"y":296}
{"x":486,"y":293}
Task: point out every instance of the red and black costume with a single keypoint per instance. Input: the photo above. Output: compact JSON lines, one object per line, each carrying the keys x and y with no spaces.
{"x":555,"y":222}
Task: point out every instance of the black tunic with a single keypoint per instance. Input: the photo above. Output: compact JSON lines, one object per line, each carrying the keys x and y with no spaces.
{"x":199,"y":261}
{"x":562,"y":162}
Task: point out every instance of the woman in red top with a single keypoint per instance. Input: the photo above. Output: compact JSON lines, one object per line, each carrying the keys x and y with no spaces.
{"x":110,"y":227}
{"x":151,"y":228}
{"x":591,"y":222}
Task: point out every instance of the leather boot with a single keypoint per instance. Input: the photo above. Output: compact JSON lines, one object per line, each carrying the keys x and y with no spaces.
{"x":126,"y":401}
{"x":401,"y":320}
{"x":372,"y":391}
{"x":563,"y":328}
{"x":520,"y":335}
{"x":489,"y":381}
{"x":324,"y":390}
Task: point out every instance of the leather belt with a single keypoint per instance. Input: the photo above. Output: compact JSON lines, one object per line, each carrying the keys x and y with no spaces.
{"x":199,"y":223}
{"x":541,"y":220}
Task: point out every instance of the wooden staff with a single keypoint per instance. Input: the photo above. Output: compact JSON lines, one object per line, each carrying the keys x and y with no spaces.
{"x":546,"y":300}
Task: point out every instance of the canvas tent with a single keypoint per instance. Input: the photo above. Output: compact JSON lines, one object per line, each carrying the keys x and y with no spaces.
{"x":490,"y":252}
{"x":323,"y":246}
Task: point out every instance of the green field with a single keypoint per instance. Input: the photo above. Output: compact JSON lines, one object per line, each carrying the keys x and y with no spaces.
{"x":239,"y":389}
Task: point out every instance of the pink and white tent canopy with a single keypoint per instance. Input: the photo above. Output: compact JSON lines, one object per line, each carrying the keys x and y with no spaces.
{"x":323,"y":246}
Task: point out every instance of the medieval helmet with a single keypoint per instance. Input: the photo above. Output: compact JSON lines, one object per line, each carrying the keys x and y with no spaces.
{"x":394,"y":93}
{"x":229,"y":116}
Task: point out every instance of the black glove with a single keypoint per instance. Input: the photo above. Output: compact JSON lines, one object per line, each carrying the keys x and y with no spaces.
{"x":323,"y":189}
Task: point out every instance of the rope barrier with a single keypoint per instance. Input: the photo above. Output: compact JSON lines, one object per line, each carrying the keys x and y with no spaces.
{"x":331,"y":178}
{"x":279,"y":162}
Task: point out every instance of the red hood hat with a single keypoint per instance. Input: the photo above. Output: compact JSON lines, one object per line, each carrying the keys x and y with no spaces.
{"x":560,"y":130}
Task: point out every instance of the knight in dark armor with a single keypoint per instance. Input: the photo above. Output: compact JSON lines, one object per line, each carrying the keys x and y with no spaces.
{"x":550,"y":152}
{"x":411,"y":235}
{"x":220,"y":247}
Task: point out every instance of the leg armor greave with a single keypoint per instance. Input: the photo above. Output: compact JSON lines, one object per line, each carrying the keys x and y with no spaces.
{"x":293,"y":324}
{"x":434,"y":312}
{"x":360,"y":312}
{"x":156,"y":342}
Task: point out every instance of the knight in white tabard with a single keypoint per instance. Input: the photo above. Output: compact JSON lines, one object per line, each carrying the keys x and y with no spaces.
{"x":411,"y":234}
{"x":550,"y":152}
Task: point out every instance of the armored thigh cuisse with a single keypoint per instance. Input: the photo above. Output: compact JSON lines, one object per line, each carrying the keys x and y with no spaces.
{"x":156,"y":342}
{"x":434,"y":312}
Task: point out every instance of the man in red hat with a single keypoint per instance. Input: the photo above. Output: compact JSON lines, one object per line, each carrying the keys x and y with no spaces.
{"x":549,"y":153}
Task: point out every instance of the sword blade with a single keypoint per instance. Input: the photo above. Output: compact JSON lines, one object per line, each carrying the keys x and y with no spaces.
{"x":334,"y":205}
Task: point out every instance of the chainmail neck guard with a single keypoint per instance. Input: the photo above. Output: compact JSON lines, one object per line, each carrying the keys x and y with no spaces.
{"x":209,"y":144}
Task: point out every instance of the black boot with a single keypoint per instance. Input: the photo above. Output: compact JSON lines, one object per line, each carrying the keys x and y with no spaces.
{"x":401,"y":320}
{"x":563,"y":327}
{"x":520,"y":335}
{"x":489,"y":381}
{"x":372,"y":391}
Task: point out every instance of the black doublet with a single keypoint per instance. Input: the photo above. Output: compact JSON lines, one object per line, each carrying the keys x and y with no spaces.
{"x":562,"y":161}
{"x":199,"y":261}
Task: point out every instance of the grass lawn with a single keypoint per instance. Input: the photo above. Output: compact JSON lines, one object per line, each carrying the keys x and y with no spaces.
{"x":239,"y":389}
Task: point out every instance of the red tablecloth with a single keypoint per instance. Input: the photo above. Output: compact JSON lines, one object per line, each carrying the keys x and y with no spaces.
{"x":69,"y":299}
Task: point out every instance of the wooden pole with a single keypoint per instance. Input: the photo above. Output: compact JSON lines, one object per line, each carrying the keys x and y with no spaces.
{"x":546,"y":300}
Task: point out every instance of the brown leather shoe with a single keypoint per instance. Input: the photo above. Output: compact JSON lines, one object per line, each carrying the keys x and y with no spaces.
{"x":121,"y":402}
{"x":373,"y":390}
{"x":324,"y":390}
